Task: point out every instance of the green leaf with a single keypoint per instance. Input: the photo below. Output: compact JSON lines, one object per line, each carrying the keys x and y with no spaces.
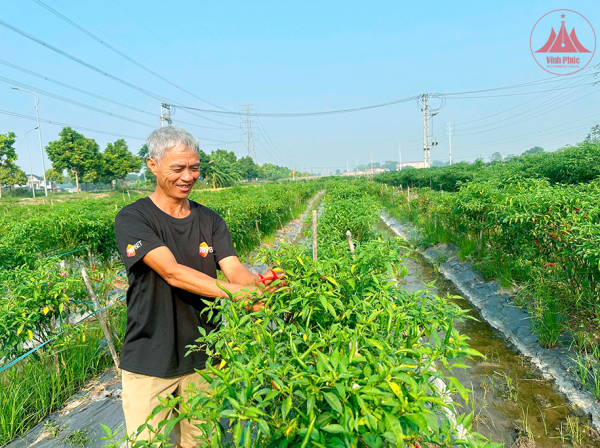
{"x":286,"y":406}
{"x":334,"y":402}
{"x":335,"y":429}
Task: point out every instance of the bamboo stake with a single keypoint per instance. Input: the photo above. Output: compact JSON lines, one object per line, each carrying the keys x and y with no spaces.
{"x":63,"y":269}
{"x":350,"y":243}
{"x":314,"y":231}
{"x":258,"y":233}
{"x":107,"y":334}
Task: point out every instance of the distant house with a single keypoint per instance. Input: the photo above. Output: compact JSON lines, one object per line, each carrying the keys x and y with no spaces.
{"x":37,"y":182}
{"x":376,"y":170}
{"x":410,"y":164}
{"x":368,"y":172}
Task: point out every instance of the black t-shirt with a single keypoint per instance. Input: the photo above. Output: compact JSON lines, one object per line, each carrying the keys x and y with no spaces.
{"x":163,"y":320}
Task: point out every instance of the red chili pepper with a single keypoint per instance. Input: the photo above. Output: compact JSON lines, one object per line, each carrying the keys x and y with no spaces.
{"x":537,"y":242}
{"x":274,"y":274}
{"x":262,"y":279}
{"x":549,"y":264}
{"x":275,"y":387}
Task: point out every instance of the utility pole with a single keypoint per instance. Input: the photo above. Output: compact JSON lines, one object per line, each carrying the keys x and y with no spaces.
{"x":450,"y":140}
{"x":29,"y":157}
{"x":165,"y":115}
{"x":37,"y":115}
{"x":425,"y":130}
{"x":399,"y":156}
{"x":249,"y":131}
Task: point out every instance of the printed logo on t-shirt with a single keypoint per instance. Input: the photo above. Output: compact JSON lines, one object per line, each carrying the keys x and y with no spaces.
{"x":131,"y":248}
{"x":205,"y":249}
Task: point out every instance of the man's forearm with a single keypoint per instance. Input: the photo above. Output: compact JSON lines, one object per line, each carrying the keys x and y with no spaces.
{"x":242,"y":276}
{"x":194,"y":281}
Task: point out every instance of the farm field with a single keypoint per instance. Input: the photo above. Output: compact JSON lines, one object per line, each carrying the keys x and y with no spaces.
{"x":346,"y":356}
{"x":37,"y":292}
{"x":534,"y":225}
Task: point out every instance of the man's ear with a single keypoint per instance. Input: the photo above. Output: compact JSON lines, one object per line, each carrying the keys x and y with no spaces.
{"x":152,"y":165}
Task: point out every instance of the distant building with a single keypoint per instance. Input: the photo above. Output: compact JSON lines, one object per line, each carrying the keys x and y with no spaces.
{"x":369,"y":172}
{"x":37,"y":182}
{"x":411,"y":164}
{"x":376,"y":170}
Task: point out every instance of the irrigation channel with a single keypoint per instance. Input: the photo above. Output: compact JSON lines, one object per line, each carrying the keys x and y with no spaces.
{"x":513,"y":403}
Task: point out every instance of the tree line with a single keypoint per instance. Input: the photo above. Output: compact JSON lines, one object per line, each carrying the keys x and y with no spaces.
{"x":81,"y":159}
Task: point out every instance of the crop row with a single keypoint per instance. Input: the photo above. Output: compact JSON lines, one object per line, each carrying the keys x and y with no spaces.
{"x":570,"y":165}
{"x":544,"y":238}
{"x":28,"y":232}
{"x":36,"y":293}
{"x":344,"y":357}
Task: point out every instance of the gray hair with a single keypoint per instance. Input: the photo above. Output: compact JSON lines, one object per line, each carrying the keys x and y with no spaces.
{"x":162,"y":140}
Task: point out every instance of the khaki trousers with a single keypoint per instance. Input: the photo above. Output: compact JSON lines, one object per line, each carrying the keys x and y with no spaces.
{"x":140,"y":398}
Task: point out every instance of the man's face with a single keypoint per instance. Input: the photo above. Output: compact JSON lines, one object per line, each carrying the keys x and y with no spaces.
{"x":178,"y":171}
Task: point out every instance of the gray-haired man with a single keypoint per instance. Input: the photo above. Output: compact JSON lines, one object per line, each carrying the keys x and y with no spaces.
{"x":171,"y":247}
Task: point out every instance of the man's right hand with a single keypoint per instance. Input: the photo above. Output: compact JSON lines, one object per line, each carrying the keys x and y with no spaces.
{"x":265,"y":282}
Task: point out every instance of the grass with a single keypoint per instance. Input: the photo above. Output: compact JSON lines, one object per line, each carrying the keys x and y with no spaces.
{"x":587,"y":370}
{"x":37,"y":386}
{"x":572,"y":430}
{"x":79,"y":438}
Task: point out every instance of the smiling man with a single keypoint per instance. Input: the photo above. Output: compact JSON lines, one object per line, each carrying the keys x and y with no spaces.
{"x":172,"y":248}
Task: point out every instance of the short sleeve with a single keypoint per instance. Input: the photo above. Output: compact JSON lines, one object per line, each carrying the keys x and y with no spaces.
{"x":222,"y":243}
{"x":135,"y":236}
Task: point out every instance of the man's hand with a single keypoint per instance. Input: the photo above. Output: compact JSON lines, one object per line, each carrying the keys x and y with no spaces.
{"x":265,"y":282}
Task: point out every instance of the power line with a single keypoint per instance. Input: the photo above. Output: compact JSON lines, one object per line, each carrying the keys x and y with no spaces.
{"x":120,"y":53}
{"x":525,"y":84}
{"x":58,"y":123}
{"x":158,"y":37}
{"x":511,"y":108}
{"x":533,"y":116}
{"x":94,"y":68}
{"x":117,"y":103}
{"x":302,"y":114}
{"x":521,"y":93}
{"x":553,"y":99}
{"x":76,"y":103}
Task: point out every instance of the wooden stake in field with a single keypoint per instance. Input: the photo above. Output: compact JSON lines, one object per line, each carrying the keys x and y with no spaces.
{"x":350,"y":243}
{"x":107,"y":334}
{"x":90,"y":259}
{"x":408,"y":200}
{"x":314,"y":231}
{"x":63,"y":270}
{"x":258,"y":233}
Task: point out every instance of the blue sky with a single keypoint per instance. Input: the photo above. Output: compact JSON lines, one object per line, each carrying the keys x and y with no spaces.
{"x":301,"y":57}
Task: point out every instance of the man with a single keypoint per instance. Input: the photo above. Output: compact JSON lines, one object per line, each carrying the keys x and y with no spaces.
{"x":171,"y":247}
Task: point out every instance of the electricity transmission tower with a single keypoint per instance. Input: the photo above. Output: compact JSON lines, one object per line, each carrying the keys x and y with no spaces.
{"x":165,"y":115}
{"x":248,"y":132}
